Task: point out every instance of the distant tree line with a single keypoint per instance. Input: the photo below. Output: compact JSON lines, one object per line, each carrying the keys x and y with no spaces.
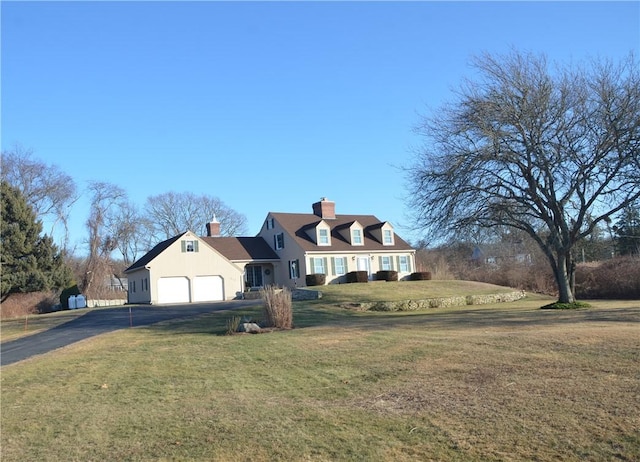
{"x":118,"y":231}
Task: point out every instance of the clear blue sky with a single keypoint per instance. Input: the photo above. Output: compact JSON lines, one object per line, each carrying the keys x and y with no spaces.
{"x":267,"y":105}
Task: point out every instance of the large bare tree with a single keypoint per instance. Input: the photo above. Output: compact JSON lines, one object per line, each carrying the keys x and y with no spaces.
{"x":173,"y":213}
{"x":552,"y":152}
{"x":106,"y":201}
{"x":49,"y":191}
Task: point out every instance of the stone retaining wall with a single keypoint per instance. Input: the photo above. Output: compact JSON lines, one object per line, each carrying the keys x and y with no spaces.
{"x":305,"y":294}
{"x":439,"y":302}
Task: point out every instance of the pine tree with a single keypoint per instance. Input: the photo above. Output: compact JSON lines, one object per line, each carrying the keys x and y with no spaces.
{"x":627,"y":231}
{"x":30,"y":262}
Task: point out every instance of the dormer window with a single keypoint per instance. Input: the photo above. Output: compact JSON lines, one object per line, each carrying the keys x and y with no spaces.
{"x":356,"y":236}
{"x":323,"y":236}
{"x":387,"y":237}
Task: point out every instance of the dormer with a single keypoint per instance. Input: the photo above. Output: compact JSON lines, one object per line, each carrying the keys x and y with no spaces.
{"x":353,"y":234}
{"x":383,"y":233}
{"x":320,"y":234}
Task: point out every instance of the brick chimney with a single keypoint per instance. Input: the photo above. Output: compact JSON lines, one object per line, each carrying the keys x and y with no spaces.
{"x":325,"y":209}
{"x":213,"y":228}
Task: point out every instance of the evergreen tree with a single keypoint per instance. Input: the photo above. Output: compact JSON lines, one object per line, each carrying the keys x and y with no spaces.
{"x":30,"y":262}
{"x":627,"y":231}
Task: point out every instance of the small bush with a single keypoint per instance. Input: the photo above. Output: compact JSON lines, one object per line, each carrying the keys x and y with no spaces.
{"x":357,"y":276}
{"x":278,"y":307}
{"x":565,"y":306}
{"x":618,"y":278}
{"x":385,"y":275}
{"x":232,"y":324}
{"x":420,"y":276}
{"x":317,"y":279}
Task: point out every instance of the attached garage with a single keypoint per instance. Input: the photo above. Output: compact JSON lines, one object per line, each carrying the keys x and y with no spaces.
{"x":173,"y":290}
{"x":208,"y":289}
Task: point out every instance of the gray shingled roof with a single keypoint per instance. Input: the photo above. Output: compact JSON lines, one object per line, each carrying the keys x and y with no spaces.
{"x":242,"y":248}
{"x":296,"y":225}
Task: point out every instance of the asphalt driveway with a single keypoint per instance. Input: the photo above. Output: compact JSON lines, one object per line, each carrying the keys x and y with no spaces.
{"x":101,"y":321}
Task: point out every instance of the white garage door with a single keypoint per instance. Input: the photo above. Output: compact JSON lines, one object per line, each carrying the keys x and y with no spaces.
{"x":207,"y":289}
{"x":173,"y":290}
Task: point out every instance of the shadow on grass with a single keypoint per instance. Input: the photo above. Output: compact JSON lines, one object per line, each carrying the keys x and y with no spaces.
{"x":318,"y":314}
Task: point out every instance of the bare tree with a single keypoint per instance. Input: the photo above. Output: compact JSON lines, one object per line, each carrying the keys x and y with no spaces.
{"x":173,"y":213}
{"x":106,"y":200}
{"x":49,"y":191}
{"x":553,"y":154}
{"x":129,"y":231}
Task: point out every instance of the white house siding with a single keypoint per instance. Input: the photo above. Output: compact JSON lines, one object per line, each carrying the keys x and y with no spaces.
{"x":352,"y":260}
{"x":291,"y":252}
{"x":139,"y":287}
{"x":206,"y":262}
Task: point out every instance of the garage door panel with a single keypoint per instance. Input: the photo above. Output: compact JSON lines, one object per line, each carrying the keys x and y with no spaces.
{"x":208,"y":289}
{"x":173,"y":290}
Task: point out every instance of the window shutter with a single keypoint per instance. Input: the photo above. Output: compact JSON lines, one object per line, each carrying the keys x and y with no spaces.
{"x":409,"y":264}
{"x":380,"y":263}
{"x":312,"y":268}
{"x":275,"y":241}
{"x":183,"y":245}
{"x":333,"y":266}
{"x":391,"y":263}
{"x":326,"y":270}
{"x":346,"y":268}
{"x":195,"y":246}
{"x":398,"y":262}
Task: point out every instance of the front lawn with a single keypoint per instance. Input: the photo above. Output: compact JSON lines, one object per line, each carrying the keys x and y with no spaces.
{"x":495,"y":382}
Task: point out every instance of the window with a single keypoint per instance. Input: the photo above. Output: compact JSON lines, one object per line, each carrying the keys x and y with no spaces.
{"x":317,"y":265}
{"x":189,"y":246}
{"x":270,"y":223}
{"x":253,"y":275}
{"x":385,"y":264}
{"x":387,"y":237}
{"x":278,"y":240}
{"x":294,"y":269}
{"x":357,"y":237}
{"x":323,"y":237}
{"x":403,"y":264}
{"x":339,"y":265}
{"x":133,"y":286}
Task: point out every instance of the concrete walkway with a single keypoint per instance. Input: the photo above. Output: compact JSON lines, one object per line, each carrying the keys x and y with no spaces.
{"x":101,"y":321}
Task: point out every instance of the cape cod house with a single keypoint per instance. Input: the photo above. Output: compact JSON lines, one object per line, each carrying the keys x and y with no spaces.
{"x":289,"y":246}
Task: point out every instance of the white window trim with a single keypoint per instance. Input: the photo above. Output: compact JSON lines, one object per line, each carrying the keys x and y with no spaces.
{"x":353,"y":237}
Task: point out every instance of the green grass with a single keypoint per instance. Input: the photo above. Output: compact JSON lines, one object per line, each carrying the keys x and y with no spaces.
{"x":495,"y":382}
{"x":405,"y":290}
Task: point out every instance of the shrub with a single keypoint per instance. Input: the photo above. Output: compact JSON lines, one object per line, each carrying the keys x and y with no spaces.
{"x":386,"y":275}
{"x":420,"y":276}
{"x":232,"y":324}
{"x":278,"y":307}
{"x":357,"y":276}
{"x":317,"y":279}
{"x":618,"y":278}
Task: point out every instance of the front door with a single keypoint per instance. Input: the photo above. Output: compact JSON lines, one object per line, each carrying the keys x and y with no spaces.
{"x":363,"y":264}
